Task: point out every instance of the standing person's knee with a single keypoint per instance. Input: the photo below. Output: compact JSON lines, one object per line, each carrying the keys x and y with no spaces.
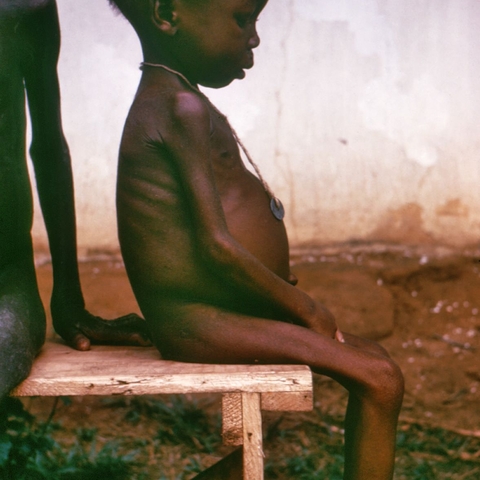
{"x":16,"y":355}
{"x":10,"y":377}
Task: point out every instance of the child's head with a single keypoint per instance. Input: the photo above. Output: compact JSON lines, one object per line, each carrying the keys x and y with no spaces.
{"x":209,"y":41}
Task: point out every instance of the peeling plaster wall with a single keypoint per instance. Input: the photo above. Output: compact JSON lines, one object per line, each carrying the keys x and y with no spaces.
{"x":363,"y":115}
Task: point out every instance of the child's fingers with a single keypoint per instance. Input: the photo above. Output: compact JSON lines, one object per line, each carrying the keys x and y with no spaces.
{"x":339,"y":336}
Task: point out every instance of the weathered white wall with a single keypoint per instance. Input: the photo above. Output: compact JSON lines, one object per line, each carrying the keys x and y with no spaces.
{"x":364,"y":116}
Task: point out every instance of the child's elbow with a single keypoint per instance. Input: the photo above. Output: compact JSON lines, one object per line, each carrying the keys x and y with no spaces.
{"x":218,"y":252}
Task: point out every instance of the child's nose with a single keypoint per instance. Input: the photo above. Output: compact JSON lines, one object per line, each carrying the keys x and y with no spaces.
{"x":254,"y":40}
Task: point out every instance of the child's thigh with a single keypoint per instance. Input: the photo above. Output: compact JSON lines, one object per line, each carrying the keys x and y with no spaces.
{"x":365,"y":344}
{"x":207,"y":334}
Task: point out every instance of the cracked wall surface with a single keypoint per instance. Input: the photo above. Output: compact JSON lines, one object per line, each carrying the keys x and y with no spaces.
{"x":363,"y":116}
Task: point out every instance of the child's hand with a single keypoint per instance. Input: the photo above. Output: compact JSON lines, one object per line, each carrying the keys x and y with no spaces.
{"x":292,"y":279}
{"x":324,"y":323}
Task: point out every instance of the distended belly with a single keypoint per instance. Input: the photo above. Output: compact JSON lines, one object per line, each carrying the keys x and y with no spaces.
{"x":254,"y":226}
{"x":169,"y":263}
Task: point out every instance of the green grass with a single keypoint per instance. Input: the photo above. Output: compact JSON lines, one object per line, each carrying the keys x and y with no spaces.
{"x":180,"y":422}
{"x":29,"y":451}
{"x":435,"y":453}
{"x":313,"y":450}
{"x":297,"y":446}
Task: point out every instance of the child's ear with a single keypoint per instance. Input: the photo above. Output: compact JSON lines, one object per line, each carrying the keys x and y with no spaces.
{"x":165,"y":17}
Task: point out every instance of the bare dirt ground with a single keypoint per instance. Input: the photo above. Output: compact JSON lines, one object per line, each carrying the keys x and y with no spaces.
{"x":421,"y":303}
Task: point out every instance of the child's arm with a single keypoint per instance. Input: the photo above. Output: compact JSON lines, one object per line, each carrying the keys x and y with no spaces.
{"x":188,"y":143}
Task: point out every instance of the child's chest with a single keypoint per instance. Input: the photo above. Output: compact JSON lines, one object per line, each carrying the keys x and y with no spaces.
{"x":225,"y":153}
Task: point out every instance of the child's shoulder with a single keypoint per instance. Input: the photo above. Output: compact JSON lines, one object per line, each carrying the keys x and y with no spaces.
{"x":166,"y":113}
{"x":174,"y":107}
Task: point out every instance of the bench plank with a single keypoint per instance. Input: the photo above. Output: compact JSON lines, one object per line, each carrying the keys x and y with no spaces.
{"x":112,"y":370}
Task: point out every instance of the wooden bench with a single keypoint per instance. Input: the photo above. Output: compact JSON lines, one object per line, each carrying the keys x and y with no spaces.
{"x":246,"y":389}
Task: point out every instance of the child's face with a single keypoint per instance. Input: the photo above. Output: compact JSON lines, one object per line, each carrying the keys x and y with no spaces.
{"x":215,"y":39}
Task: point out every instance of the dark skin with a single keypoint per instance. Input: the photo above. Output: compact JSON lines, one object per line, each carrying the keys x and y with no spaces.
{"x":29,"y":48}
{"x":208,"y":262}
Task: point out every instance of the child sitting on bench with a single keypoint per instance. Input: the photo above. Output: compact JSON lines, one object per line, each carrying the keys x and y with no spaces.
{"x":203,"y":239}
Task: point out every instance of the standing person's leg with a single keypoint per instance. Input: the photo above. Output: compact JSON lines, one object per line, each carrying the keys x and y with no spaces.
{"x":53,"y":172}
{"x":22,"y":318}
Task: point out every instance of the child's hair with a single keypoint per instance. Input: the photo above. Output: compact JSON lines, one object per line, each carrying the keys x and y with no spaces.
{"x":137,"y":12}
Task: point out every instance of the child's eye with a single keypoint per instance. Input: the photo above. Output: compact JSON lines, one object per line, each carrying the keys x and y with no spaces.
{"x":242,"y":19}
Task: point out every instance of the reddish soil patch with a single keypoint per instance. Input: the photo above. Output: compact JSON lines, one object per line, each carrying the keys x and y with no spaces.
{"x":435,"y":334}
{"x":429,"y":298}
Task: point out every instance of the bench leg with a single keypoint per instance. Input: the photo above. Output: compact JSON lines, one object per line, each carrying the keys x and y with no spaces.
{"x":242,"y":425}
{"x":252,"y":437}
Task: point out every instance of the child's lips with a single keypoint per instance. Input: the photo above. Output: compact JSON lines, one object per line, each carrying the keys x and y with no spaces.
{"x":247,"y":64}
{"x":249,"y":61}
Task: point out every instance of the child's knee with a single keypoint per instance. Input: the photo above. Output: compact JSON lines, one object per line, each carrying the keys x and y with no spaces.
{"x":376,"y":347}
{"x":387,"y":385}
